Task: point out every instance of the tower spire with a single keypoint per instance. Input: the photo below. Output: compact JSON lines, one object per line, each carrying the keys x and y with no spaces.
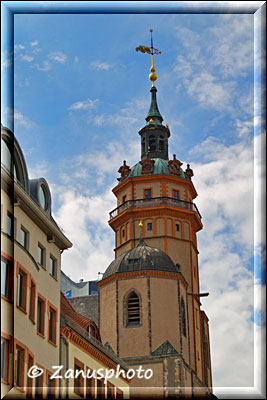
{"x":154,"y":136}
{"x":150,"y":50}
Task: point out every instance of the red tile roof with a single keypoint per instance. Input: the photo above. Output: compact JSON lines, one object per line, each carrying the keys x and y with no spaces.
{"x":71,"y":315}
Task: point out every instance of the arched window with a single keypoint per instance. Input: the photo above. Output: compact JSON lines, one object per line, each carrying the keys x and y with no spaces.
{"x":91,"y":331}
{"x":12,"y":158}
{"x":152,"y":143}
{"x":143,"y":146}
{"x":133,"y":309}
{"x":6,"y":157}
{"x":161,"y":143}
{"x":183,"y":320}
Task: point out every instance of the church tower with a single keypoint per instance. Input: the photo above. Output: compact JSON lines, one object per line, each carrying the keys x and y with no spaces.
{"x":150,"y":309}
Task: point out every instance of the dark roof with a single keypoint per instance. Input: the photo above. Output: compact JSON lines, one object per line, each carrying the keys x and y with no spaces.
{"x":141,"y":258}
{"x":77,"y":284}
{"x":69,"y":314}
{"x":165,"y":349}
{"x":86,"y":306}
{"x":154,"y":111}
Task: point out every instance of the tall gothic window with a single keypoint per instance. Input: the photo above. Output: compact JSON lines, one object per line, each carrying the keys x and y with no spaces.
{"x":133,"y":309}
{"x":183,"y":320}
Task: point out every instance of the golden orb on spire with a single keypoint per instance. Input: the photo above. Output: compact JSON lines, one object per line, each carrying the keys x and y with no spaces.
{"x":150,"y":50}
{"x":140,"y":224}
{"x":153,"y":77}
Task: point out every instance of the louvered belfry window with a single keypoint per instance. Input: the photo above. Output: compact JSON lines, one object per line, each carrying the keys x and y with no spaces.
{"x":133,"y":308}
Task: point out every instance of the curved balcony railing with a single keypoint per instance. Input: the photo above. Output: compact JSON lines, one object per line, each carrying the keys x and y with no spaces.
{"x":154,"y":201}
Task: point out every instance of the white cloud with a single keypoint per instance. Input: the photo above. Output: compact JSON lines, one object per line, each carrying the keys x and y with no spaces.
{"x":53,"y":59}
{"x":84,"y":105}
{"x":100,"y":65}
{"x":20,"y":120}
{"x":18,"y":47}
{"x":225,"y":182}
{"x":232,"y":44}
{"x":58,"y":57}
{"x":34,"y":43}
{"x":212,"y":65}
{"x":244,"y":128}
{"x":104,"y":119}
{"x":92,"y":247}
{"x":27,"y":58}
{"x":6,"y":62}
{"x":46,"y":66}
{"x":40,"y":169}
{"x":209,"y":91}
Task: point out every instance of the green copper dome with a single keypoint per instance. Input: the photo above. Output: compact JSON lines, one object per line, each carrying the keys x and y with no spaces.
{"x":160,"y":167}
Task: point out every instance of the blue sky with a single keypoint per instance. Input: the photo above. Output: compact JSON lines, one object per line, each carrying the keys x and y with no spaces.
{"x":81,"y":95}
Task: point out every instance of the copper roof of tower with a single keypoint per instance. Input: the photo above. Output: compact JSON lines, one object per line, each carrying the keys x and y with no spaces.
{"x":142,"y":257}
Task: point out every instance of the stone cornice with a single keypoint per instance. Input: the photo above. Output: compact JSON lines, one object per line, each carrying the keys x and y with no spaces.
{"x":151,"y":273}
{"x":33,"y":211}
{"x":154,"y":178}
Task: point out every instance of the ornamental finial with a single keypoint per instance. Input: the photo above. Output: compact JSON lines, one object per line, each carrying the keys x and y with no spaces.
{"x":150,"y":50}
{"x":141,"y":226}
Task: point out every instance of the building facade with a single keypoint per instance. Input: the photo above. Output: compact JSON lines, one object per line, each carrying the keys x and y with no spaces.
{"x":39,"y":327}
{"x":149,"y":300}
{"x":81,"y":349}
{"x":73,"y":289}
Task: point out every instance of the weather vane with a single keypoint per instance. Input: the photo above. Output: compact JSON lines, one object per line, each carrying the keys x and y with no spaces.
{"x":150,"y":50}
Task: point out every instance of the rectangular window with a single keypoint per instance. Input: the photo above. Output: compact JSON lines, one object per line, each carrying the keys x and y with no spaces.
{"x":51,"y":387}
{"x":4,"y":356}
{"x":29,"y":380}
{"x":6,"y":279}
{"x":22,"y":290}
{"x":110,"y":391}
{"x":32,"y":301}
{"x":53,"y":266}
{"x":9,"y":224}
{"x":177,"y":227}
{"x":19,"y":364}
{"x":119,"y":394}
{"x":100,"y":389}
{"x":52,"y":325}
{"x":149,"y":226}
{"x":41,"y":255}
{"x":175,"y":194}
{"x":123,"y":233}
{"x":40,"y":315}
{"x":24,"y":238}
{"x":78,"y":378}
{"x":90,"y":385}
{"x":39,"y":383}
{"x":148,"y":194}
